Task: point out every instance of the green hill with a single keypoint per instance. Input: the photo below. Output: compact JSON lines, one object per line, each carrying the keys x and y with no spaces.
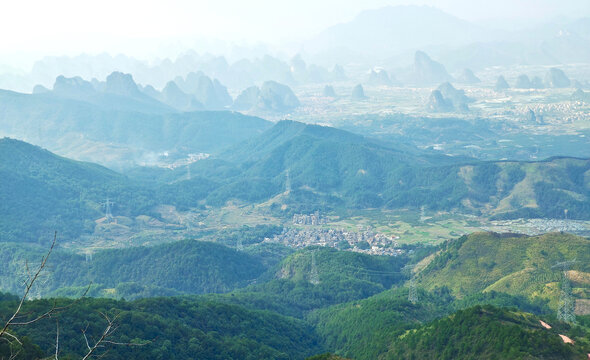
{"x":292,"y":288}
{"x":507,"y":263}
{"x":185,"y":267}
{"x":364,"y":329}
{"x":486,"y":333}
{"x":171,"y":328}
{"x":338,"y":276}
{"x":42,"y":193}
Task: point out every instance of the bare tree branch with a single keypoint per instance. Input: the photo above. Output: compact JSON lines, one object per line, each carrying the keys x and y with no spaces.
{"x":29,"y":285}
{"x":13,"y":337}
{"x":56,"y":338}
{"x":54,"y":309}
{"x":108,"y":331}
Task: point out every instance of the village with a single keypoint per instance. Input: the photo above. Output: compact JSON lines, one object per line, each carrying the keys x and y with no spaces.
{"x":533,"y":227}
{"x":367,"y":241}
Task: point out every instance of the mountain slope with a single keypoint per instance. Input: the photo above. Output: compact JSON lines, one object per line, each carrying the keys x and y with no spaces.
{"x":484,"y":333}
{"x":337,"y":168}
{"x":520,"y":265}
{"x":364,"y":329}
{"x":171,"y":328}
{"x":325,"y":161}
{"x":42,"y":193}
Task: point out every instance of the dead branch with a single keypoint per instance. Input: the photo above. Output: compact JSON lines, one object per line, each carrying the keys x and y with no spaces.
{"x":56,"y":338}
{"x":108,"y":331}
{"x":29,"y":284}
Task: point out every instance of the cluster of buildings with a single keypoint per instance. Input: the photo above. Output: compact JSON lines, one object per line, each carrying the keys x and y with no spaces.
{"x":541,"y":226}
{"x":368,"y":242}
{"x":553,"y":225}
{"x":309,"y":219}
{"x":185,"y":161}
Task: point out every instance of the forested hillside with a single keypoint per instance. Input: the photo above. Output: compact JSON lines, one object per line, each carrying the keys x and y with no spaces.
{"x":186,"y":267}
{"x":485,"y":333}
{"x":271,"y":303}
{"x":520,"y":265}
{"x":327,"y":168}
{"x":42,"y":192}
{"x":169,"y":328}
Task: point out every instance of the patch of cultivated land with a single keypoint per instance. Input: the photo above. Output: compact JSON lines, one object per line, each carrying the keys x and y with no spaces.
{"x":406,"y":226}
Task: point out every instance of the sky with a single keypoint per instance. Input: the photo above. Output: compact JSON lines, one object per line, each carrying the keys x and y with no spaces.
{"x":147,"y":29}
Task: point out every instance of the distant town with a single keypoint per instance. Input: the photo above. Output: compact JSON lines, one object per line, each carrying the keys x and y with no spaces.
{"x":367,"y":242}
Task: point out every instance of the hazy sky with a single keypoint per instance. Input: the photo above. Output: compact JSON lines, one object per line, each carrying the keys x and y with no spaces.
{"x":144,"y":28}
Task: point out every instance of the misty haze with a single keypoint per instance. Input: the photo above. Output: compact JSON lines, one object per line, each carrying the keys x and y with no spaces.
{"x":388,"y":179}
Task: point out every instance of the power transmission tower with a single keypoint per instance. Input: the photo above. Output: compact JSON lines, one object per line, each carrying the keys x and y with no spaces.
{"x":287,"y":181}
{"x":412,"y":291}
{"x":566,"y":307}
{"x":314,"y":276}
{"x":108,"y":213}
{"x":186,"y":221}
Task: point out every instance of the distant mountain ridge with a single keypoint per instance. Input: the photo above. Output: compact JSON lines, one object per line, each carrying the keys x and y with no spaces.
{"x":337,"y":168}
{"x":377,"y":32}
{"x":119,"y":93}
{"x":119,"y":136}
{"x":374,"y":35}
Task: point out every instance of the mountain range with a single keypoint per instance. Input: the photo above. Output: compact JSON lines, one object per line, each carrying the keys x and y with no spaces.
{"x":127,"y":130}
{"x":375,"y":34}
{"x":326,"y":168}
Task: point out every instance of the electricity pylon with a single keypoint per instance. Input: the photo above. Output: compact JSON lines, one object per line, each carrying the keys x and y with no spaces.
{"x":314,"y":276}
{"x":287,"y":181}
{"x":565,"y":310}
{"x":412,"y":291}
{"x":108,"y":213}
